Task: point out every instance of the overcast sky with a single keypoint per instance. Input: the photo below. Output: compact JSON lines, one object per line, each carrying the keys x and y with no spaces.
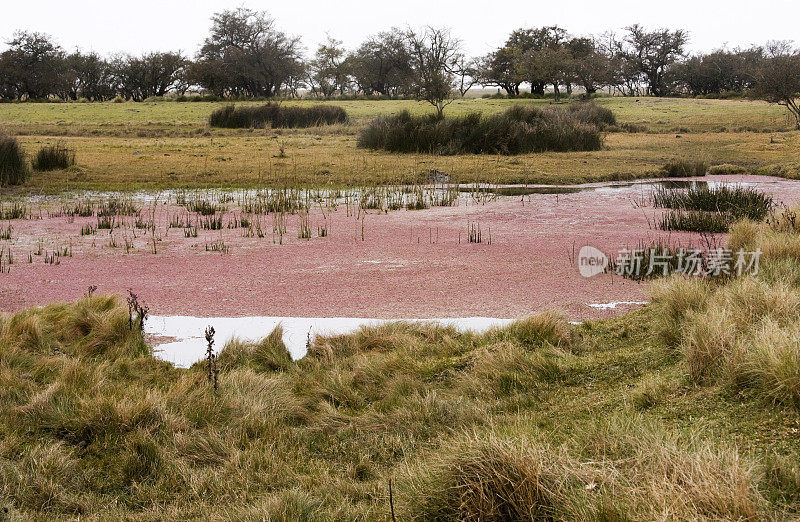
{"x":149,"y":25}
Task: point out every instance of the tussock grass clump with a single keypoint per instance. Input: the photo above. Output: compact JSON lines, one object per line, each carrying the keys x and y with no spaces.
{"x":53,"y":157}
{"x":618,"y":469}
{"x":489,"y":480}
{"x":277,"y":116}
{"x":506,"y":425}
{"x":684,"y":169}
{"x":518,"y":130}
{"x":546,"y":328}
{"x":268,"y":355}
{"x":382,"y":338}
{"x":674,"y":298}
{"x":742,"y":334}
{"x":13,"y":166}
{"x":92,"y":327}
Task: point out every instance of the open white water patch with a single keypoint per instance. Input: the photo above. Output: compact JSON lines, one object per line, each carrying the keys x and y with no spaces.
{"x":615,"y":304}
{"x":187,"y":344}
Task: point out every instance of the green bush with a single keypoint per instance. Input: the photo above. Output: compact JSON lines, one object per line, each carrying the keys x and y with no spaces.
{"x":13,"y":168}
{"x":277,"y":116}
{"x":518,"y":130}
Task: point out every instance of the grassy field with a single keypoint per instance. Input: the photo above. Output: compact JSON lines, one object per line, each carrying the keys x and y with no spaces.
{"x":162,"y":144}
{"x":686,"y":410}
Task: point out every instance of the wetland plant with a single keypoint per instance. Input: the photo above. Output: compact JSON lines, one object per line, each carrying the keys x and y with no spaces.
{"x":741,"y":202}
{"x":211,"y":358}
{"x":218,"y":246}
{"x":16,"y":210}
{"x":13,"y":166}
{"x":304,"y":227}
{"x":684,"y":169}
{"x":137,"y":311}
{"x":53,"y":157}
{"x":520,"y":129}
{"x":277,"y":116}
{"x":713,"y":210}
{"x":474,"y":233}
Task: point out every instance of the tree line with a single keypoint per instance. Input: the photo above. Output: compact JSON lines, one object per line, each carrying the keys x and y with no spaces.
{"x":246,"y":55}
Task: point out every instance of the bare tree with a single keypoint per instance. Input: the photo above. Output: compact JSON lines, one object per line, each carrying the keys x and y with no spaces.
{"x":434,"y":53}
{"x":466,"y":72}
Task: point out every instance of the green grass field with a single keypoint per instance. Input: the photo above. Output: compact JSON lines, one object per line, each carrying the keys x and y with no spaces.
{"x":656,"y":114}
{"x":164,"y":144}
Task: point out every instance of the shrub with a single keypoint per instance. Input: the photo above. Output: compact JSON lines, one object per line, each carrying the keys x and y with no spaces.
{"x":277,"y":116}
{"x":53,"y":157}
{"x":518,"y":130}
{"x":13,"y":168}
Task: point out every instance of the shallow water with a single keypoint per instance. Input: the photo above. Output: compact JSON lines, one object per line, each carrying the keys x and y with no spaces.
{"x":521,"y":190}
{"x":187,"y":344}
{"x":615,"y":304}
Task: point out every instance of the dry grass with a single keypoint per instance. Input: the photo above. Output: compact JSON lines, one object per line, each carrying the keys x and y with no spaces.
{"x":128,"y":163}
{"x":538,"y":420}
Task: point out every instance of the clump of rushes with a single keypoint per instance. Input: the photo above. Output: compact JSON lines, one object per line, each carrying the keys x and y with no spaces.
{"x":53,"y":157}
{"x":743,"y":202}
{"x":704,"y":209}
{"x":684,"y":169}
{"x":519,"y":130}
{"x":276,"y":116}
{"x":13,"y":167}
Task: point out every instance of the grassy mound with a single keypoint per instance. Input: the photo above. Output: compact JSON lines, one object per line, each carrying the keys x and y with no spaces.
{"x":13,"y":167}
{"x":519,"y":130}
{"x":53,"y":157}
{"x":277,"y":116}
